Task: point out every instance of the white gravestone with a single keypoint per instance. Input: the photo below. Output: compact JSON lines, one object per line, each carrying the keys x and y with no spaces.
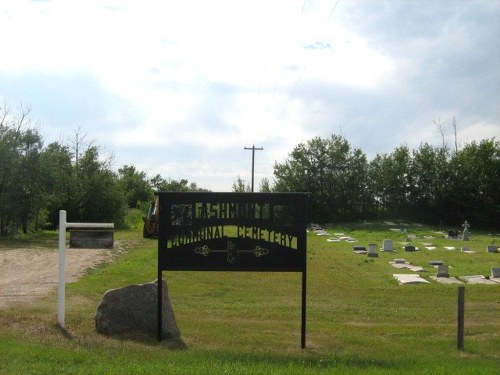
{"x":466,"y":227}
{"x":388,"y":245}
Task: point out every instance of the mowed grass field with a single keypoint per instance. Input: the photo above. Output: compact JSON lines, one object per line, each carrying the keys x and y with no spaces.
{"x":359,"y":319}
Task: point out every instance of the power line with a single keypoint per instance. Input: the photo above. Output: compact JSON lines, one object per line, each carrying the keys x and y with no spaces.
{"x":293,"y":92}
{"x":334,"y":6}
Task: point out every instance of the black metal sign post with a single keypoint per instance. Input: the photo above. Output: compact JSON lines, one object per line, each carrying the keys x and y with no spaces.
{"x":258,"y":232}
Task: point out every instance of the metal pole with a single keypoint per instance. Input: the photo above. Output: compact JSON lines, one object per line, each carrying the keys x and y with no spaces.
{"x":460,"y":318}
{"x":303,"y":320}
{"x":253,"y":148}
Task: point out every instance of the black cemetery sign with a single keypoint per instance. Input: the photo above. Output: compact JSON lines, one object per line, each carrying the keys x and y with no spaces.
{"x":258,"y":232}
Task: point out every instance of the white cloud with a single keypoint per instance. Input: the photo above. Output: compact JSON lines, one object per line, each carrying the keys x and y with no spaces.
{"x":197,"y":80}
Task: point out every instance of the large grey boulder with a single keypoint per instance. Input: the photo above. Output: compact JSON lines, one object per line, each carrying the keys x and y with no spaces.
{"x":133,"y":310}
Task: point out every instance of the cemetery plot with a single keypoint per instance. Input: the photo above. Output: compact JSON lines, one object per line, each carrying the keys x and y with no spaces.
{"x":415,"y":244}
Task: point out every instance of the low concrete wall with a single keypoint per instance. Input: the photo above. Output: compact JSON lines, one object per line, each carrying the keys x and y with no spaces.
{"x":91,"y":239}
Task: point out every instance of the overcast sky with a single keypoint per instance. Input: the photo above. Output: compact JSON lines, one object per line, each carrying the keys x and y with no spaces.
{"x":179,"y":88}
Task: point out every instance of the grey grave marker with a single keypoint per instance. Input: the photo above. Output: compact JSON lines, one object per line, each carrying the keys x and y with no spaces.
{"x":442,"y":271}
{"x":372,"y":250}
{"x":492,"y":248}
{"x":388,"y":245}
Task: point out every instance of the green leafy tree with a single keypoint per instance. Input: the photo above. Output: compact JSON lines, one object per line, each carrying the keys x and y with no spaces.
{"x":20,"y":190}
{"x":58,"y":180}
{"x":474,"y":178}
{"x":135,"y":186}
{"x":27,"y":196}
{"x":241,"y":186}
{"x":428,"y":175}
{"x":100,"y":198}
{"x":265,"y":186}
{"x":332,"y":172}
{"x":390,"y":180}
{"x":158,"y":183}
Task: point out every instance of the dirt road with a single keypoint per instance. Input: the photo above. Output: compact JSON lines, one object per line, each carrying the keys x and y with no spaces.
{"x":26,"y":274}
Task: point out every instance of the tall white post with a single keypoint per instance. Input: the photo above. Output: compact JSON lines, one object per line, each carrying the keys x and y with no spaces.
{"x":61,"y":291}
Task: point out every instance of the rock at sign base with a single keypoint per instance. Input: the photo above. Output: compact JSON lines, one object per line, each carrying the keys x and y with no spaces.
{"x":133,"y":309}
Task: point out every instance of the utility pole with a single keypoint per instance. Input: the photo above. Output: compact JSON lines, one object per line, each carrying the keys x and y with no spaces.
{"x":253,"y":148}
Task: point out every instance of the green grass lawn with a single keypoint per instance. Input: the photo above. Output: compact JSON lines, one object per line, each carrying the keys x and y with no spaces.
{"x":359,"y":320}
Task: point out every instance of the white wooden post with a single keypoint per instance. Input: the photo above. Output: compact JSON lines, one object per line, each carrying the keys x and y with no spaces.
{"x":61,"y":291}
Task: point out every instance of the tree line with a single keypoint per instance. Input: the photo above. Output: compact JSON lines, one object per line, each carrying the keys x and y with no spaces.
{"x":429,"y":184}
{"x":37,"y":181}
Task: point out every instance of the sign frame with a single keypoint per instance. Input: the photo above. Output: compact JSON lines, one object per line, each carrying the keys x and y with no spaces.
{"x":238,"y":232}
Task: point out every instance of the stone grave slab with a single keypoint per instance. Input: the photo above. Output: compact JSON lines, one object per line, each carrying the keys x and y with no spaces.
{"x":406,"y":265}
{"x":446,"y":280}
{"x":359,"y":250}
{"x":435,"y":262}
{"x":332,"y":240}
{"x":410,"y":248}
{"x":400,"y":266}
{"x":405,"y":278}
{"x":467,"y":249}
{"x":477,"y":279}
{"x":449,"y":247}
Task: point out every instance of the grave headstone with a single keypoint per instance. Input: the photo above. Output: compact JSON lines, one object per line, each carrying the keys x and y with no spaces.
{"x":442,"y":271}
{"x":465,"y":234}
{"x":495,"y":272}
{"x":453,"y":234}
{"x":492,"y":248}
{"x":409,"y":248}
{"x":388,"y":245}
{"x":372,"y":250}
